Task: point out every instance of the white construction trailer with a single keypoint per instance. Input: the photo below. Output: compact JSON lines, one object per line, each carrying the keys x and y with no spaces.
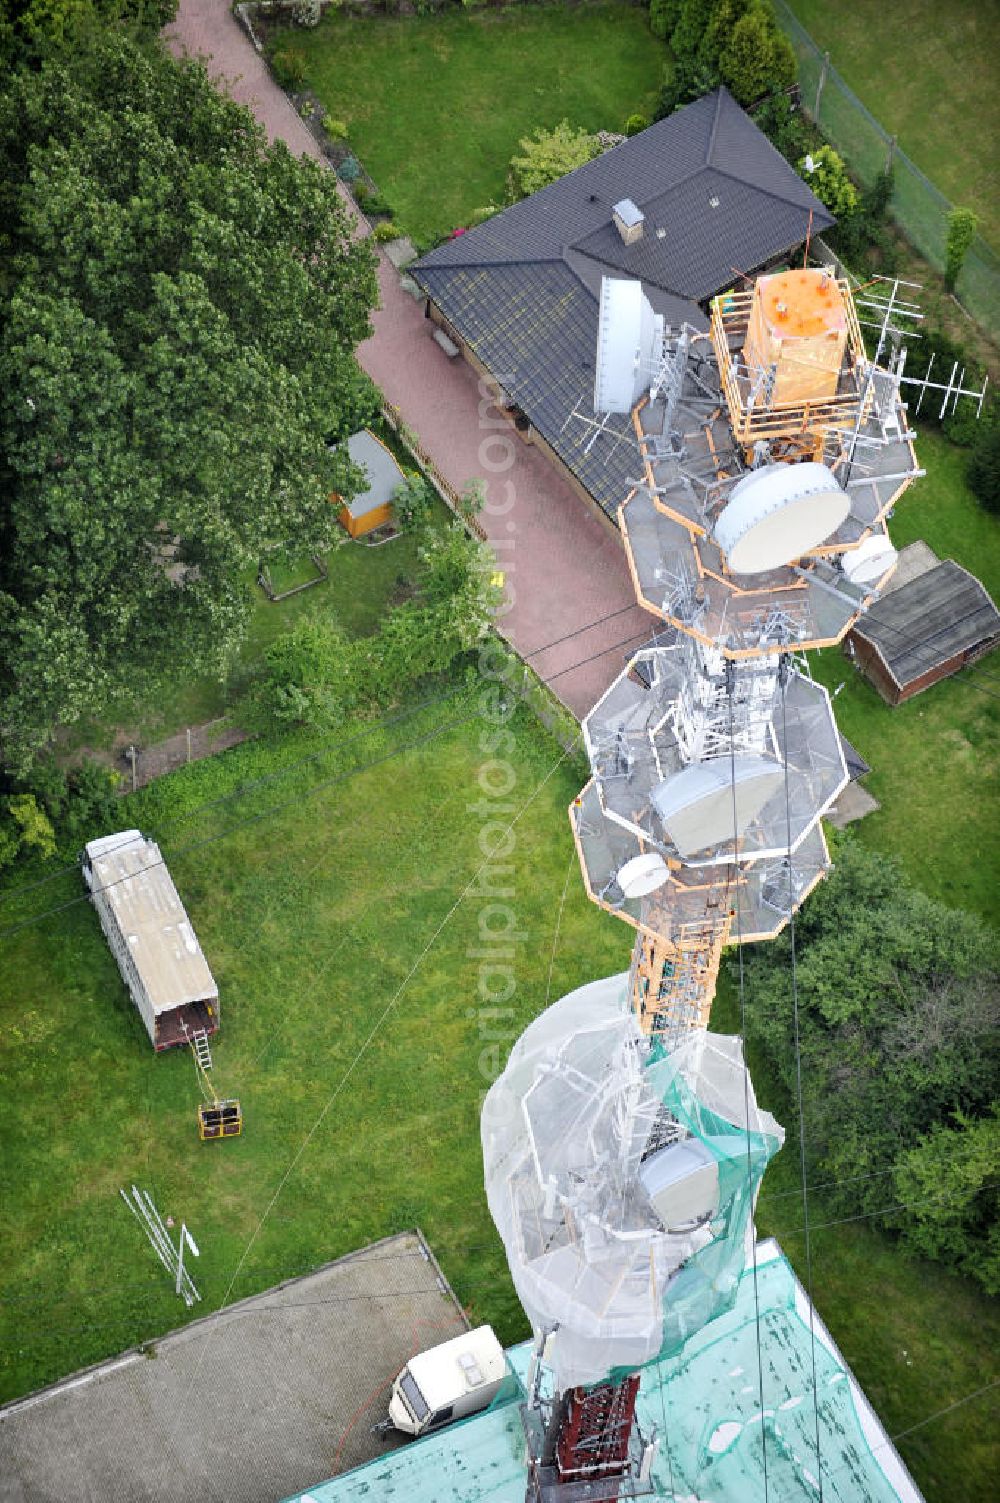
{"x":448,"y":1382}
{"x":151,"y":938}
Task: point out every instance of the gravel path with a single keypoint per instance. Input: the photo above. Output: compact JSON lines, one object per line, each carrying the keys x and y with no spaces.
{"x":565,"y":568}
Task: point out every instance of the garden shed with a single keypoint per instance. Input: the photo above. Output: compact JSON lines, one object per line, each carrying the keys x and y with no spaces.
{"x":371,"y":508}
{"x":939,"y":621}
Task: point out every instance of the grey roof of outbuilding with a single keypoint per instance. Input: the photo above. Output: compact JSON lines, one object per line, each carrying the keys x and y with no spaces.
{"x":923,"y":624}
{"x":521,"y":290}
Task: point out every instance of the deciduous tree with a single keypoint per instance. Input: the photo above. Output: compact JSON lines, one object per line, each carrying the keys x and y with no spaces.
{"x":183,"y":303}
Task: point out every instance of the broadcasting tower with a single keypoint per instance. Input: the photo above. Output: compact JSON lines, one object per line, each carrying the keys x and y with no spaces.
{"x":623,"y":1146}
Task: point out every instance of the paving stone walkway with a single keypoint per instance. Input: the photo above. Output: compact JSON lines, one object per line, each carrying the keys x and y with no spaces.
{"x":565,"y":568}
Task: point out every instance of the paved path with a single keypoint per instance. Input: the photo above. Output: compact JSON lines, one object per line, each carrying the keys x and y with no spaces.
{"x":566,"y":569}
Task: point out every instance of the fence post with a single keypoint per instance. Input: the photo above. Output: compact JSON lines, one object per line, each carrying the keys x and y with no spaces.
{"x":819,"y":86}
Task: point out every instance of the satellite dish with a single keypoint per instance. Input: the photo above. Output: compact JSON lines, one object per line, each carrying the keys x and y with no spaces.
{"x":777,"y":513}
{"x":642,"y":875}
{"x":696,"y":805}
{"x":866,"y":564}
{"x":628,"y":336}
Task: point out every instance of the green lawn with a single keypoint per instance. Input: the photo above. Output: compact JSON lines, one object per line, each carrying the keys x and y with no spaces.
{"x":926,"y":70}
{"x":436,"y":105}
{"x":314,"y":920}
{"x":339,"y":905}
{"x":936,"y":759}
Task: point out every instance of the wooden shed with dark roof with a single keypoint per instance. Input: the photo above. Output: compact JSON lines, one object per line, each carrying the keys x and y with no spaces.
{"x":927,"y":629}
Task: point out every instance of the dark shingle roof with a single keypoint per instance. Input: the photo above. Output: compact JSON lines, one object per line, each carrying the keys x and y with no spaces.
{"x":925,"y":623}
{"x":521,"y":290}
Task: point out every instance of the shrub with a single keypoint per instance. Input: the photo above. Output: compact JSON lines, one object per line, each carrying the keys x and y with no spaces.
{"x":288,"y":64}
{"x":983,"y":473}
{"x":93,"y":801}
{"x":306,"y":12}
{"x":758,"y":58}
{"x":825,"y":172}
{"x":33,"y":828}
{"x":786,"y":128}
{"x":663,"y":17}
{"x":962,"y":227}
{"x":549,"y":155}
{"x":349,"y":170}
{"x":336,"y":129}
{"x":411,"y":502}
{"x":634,"y":124}
{"x":385,"y":231}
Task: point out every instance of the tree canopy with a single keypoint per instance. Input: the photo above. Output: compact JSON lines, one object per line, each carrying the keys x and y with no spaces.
{"x":181,"y":306}
{"x":33,"y":29}
{"x":898,"y":1010}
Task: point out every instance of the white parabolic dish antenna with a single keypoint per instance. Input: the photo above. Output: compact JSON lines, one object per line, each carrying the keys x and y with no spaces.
{"x":777,"y":513}
{"x":697,"y":805}
{"x":642,"y":875}
{"x":867,"y":563}
{"x":628,"y":337}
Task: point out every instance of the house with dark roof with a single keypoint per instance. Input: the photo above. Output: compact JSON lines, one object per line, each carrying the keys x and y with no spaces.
{"x":691,"y":206}
{"x":939,"y":621}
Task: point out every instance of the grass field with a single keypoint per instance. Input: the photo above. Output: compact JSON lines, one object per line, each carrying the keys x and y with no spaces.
{"x":341,"y":929}
{"x":926,"y":71}
{"x":936,"y":759}
{"x":436,"y":105}
{"x":316,"y":920}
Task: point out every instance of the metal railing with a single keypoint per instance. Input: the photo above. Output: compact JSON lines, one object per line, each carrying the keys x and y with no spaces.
{"x":920,"y":209}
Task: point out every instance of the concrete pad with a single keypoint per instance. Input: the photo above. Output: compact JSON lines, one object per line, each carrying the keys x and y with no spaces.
{"x":400,"y":252}
{"x":253,"y":1403}
{"x":853,"y":804}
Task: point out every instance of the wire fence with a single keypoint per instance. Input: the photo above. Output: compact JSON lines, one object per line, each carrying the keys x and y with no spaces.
{"x":918,"y":206}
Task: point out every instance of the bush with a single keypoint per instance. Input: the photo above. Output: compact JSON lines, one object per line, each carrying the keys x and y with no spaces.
{"x":826,"y":173}
{"x":663,"y":17}
{"x":385,"y":231}
{"x":411,"y":502}
{"x":758,"y":58}
{"x":634,"y":124}
{"x":786,"y":127}
{"x":948,"y":1184}
{"x":93,"y":801}
{"x":549,"y":155}
{"x":983,"y":473}
{"x":349,"y":170}
{"x":962,"y":227}
{"x":288,"y":64}
{"x":336,"y":129}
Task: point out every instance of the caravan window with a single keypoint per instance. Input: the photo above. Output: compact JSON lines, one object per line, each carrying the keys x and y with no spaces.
{"x":414,"y":1398}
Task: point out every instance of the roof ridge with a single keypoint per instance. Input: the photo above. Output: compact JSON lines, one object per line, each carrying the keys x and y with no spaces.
{"x":418,"y":266}
{"x":769,"y":192}
{"x":715,"y":124}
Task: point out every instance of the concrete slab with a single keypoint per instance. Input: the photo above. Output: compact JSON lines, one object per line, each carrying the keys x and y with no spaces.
{"x":253,"y":1403}
{"x":915,"y":559}
{"x":400,"y":252}
{"x":853,"y":804}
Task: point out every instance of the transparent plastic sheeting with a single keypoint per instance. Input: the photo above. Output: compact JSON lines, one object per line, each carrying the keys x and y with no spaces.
{"x":573,"y":1132}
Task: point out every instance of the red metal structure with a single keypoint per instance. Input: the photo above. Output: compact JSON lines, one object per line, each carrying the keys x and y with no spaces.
{"x":594,"y":1436}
